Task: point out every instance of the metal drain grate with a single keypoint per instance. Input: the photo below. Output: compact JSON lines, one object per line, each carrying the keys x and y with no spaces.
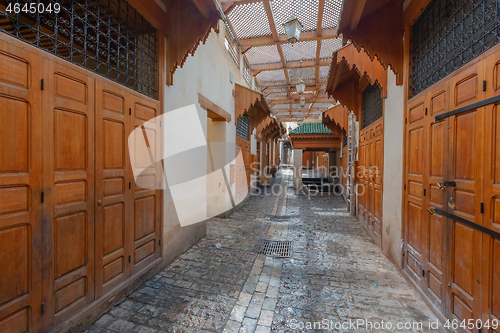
{"x":280,"y":249}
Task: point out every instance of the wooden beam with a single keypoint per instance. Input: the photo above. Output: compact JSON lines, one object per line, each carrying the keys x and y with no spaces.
{"x":283,"y":84}
{"x":292,"y":64}
{"x":358,"y":11}
{"x":318,"y":100}
{"x":247,"y":43}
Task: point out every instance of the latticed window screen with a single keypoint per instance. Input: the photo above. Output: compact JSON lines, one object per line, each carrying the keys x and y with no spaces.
{"x":247,"y":72}
{"x":449,"y":34}
{"x":107,"y":37}
{"x":243,"y":127}
{"x":344,"y":138}
{"x":372,"y":107}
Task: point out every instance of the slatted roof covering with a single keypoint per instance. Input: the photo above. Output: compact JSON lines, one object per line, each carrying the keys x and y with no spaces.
{"x":306,"y":11}
{"x":323,"y":72}
{"x":305,"y":73}
{"x":300,"y":51}
{"x":267,"y":54}
{"x":331,"y":14}
{"x":328,"y":46}
{"x":271,"y":76}
{"x":277,"y":64}
{"x":249,"y":20}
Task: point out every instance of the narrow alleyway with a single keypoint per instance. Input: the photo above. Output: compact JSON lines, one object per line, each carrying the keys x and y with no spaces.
{"x":336,"y":276}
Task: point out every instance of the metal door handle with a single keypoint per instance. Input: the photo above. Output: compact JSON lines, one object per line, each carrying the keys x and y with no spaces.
{"x":441,"y":185}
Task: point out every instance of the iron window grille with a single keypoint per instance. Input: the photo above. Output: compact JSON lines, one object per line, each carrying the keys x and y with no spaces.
{"x":448,"y":35}
{"x":230,"y":42}
{"x":247,"y":72}
{"x":344,"y":138}
{"x":372,"y":105}
{"x":243,"y":127}
{"x":107,"y":37}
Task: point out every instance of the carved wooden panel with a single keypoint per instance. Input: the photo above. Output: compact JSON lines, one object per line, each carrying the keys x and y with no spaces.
{"x":20,"y":189}
{"x":68,"y":174}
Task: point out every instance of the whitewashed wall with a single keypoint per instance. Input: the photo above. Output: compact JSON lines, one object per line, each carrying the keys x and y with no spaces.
{"x":208,"y":73}
{"x":393,"y":170}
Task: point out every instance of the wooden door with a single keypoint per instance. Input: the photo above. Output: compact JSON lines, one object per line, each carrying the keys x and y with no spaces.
{"x":362,"y":174}
{"x":371,"y":160}
{"x":491,"y":246}
{"x":437,"y":164}
{"x":414,"y":255}
{"x":145,"y":220}
{"x":20,"y":190}
{"x":113,"y":198}
{"x":68,"y":183}
{"x":464,"y":199}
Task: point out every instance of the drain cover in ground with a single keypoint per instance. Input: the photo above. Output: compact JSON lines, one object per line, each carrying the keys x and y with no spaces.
{"x":280,"y":249}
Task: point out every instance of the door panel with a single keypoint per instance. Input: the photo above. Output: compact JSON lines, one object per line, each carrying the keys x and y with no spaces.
{"x":113,"y":199}
{"x":491,"y":246}
{"x":68,"y":180}
{"x":370,"y":177}
{"x":20,"y":188}
{"x":145,"y":220}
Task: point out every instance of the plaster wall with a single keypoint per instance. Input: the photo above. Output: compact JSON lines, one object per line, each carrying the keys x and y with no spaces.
{"x":393,"y":170}
{"x":207,"y":72}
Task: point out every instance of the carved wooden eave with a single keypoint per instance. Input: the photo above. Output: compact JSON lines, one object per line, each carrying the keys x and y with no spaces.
{"x":253,"y":104}
{"x":315,"y":141}
{"x":377,"y":27}
{"x":343,"y":84}
{"x":336,"y":118}
{"x":188,"y":23}
{"x":364,"y":65}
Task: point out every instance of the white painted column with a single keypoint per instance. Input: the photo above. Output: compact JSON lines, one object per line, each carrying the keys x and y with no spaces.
{"x":297,"y":169}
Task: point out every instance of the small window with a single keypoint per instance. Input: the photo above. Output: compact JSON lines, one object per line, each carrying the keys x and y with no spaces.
{"x":243,"y":127}
{"x":372,"y":108}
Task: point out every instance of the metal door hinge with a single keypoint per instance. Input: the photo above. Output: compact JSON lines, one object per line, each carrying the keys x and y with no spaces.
{"x":484,"y":85}
{"x":42,"y":197}
{"x":482,"y":207}
{"x":405,"y":187}
{"x":406,"y":120}
{"x":129,"y":111}
{"x":424,"y":192}
{"x":129,"y":185}
{"x":159,"y":242}
{"x":426,"y":111}
{"x":129,"y":258}
{"x":42,"y":308}
{"x":42,"y":85}
{"x":423,"y":272}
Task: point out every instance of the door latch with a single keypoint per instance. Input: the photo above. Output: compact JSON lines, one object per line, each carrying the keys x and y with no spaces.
{"x":431,"y":210}
{"x":442,"y":184}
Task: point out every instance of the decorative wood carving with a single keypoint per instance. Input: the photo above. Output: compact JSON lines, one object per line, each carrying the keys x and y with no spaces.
{"x":187,"y":25}
{"x":214,"y":111}
{"x":336,"y":118}
{"x":379,"y":32}
{"x":362,"y":63}
{"x":252,"y":103}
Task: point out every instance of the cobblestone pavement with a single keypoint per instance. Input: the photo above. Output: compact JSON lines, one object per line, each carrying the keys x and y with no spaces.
{"x":336,"y":275}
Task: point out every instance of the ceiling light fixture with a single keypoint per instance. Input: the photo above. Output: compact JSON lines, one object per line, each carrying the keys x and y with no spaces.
{"x":292,"y":29}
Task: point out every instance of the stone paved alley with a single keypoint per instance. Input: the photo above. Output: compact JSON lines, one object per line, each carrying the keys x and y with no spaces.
{"x":336,"y":274}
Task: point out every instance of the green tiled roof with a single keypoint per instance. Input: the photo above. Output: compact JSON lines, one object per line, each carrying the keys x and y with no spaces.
{"x":311,"y":128}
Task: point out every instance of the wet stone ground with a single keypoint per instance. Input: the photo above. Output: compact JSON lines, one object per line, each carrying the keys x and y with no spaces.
{"x":337,"y":279}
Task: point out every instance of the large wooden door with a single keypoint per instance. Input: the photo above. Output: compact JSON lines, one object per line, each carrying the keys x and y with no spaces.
{"x":68,"y":181}
{"x":20,"y":190}
{"x":491,"y":246}
{"x":371,"y":160}
{"x":113,"y":198}
{"x":144,"y":236}
{"x":465,"y":153}
{"x":454,"y":262}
